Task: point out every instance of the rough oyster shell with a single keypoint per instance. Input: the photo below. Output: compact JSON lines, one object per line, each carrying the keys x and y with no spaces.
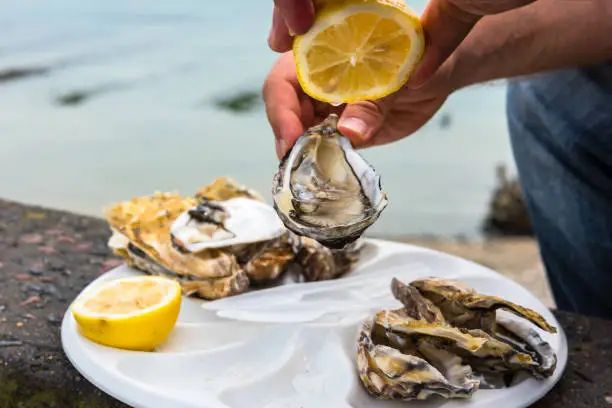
{"x":317,"y":262}
{"x":464,"y":307}
{"x":325,"y":190}
{"x":225,"y":188}
{"x":490,"y":345}
{"x":270,"y":261}
{"x":511,"y":345}
{"x":141,"y":234}
{"x":387,"y":373}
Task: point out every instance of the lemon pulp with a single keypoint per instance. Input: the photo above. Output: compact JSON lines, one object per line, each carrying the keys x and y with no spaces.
{"x":358,"y":50}
{"x":136,"y":313}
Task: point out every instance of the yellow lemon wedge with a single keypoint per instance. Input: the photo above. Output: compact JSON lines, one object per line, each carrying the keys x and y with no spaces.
{"x":358,"y":50}
{"x":134,"y":313}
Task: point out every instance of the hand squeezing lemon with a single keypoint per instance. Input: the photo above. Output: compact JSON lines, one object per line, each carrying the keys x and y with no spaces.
{"x":134,"y":313}
{"x":358,"y":50}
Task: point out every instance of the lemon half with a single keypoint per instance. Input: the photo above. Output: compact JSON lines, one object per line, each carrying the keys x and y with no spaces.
{"x":135,"y":313}
{"x":358,"y":50}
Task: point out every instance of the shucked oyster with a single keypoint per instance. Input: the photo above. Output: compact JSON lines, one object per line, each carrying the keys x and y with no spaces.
{"x":222,"y":224}
{"x":424,"y":333}
{"x":325,"y":190}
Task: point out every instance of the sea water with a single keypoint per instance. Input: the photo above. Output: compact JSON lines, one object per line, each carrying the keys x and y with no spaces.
{"x":153,"y":71}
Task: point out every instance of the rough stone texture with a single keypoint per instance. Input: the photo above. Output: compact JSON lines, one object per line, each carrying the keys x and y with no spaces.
{"x":47,"y":257}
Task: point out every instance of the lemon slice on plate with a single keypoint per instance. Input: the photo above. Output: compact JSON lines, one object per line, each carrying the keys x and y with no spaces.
{"x":135,"y":313}
{"x":358,"y":50}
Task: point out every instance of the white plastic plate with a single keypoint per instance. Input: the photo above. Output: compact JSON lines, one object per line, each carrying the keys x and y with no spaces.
{"x":294,"y":345}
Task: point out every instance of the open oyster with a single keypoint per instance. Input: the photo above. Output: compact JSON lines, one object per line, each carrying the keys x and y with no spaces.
{"x":325,"y":190}
{"x":447,"y":335}
{"x":221,"y":224}
{"x":141,"y":234}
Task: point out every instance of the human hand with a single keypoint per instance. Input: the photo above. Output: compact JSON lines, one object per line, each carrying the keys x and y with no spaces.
{"x":289,"y":17}
{"x":367,"y":123}
{"x":446,"y":23}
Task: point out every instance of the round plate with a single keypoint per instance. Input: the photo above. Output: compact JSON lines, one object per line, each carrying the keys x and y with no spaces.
{"x":292,"y":345}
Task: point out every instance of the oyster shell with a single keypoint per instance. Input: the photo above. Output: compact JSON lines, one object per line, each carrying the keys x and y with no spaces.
{"x":464,"y":307}
{"x":429,"y":327}
{"x":387,"y":373}
{"x":270,"y":261}
{"x":238,"y":221}
{"x":141,"y":234}
{"x":225,"y":188}
{"x":317,"y":262}
{"x":325,"y":190}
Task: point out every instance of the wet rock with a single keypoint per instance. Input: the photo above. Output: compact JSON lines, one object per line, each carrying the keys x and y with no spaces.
{"x":14,"y":74}
{"x":36,"y":271}
{"x":30,"y":300}
{"x":507,"y":210}
{"x":56,"y":264}
{"x":31,"y":239}
{"x":42,"y":289}
{"x":9,"y":343}
{"x":54,"y":318}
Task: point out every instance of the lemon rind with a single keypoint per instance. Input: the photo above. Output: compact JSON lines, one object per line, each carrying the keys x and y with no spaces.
{"x":400,"y":13}
{"x":78,"y":307}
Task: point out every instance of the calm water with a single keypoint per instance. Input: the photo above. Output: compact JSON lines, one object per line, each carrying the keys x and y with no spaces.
{"x":155,"y":128}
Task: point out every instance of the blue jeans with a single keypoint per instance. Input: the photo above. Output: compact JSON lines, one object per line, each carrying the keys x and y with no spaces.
{"x":560,"y":125}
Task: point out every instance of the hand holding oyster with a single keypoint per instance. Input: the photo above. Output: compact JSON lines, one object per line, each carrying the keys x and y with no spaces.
{"x":325,"y":190}
{"x":445,"y":334}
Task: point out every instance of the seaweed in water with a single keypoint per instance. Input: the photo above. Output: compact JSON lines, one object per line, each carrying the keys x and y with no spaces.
{"x":241,"y":102}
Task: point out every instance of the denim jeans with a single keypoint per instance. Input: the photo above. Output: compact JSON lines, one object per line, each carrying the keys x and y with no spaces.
{"x":560,"y":126}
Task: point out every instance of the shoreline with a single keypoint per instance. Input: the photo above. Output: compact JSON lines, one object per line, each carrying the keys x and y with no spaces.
{"x":512,"y":256}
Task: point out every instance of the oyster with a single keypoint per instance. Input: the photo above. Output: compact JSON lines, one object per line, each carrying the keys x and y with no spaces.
{"x":141,"y":235}
{"x":464,"y":307}
{"x":317,"y":262}
{"x":221,"y":224}
{"x":387,"y":373}
{"x":270,"y":261}
{"x":225,"y":188}
{"x":325,"y":190}
{"x":449,"y":337}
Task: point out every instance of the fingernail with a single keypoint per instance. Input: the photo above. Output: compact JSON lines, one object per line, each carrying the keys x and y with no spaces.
{"x":357,"y":126}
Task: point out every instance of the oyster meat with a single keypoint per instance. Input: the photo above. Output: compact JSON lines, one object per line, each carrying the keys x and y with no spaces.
{"x":325,"y":190}
{"x":455,"y":330}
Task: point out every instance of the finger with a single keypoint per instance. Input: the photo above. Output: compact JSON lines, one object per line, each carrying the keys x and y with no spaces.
{"x":298,"y":14}
{"x":361,"y":120}
{"x":445,"y":27}
{"x":279,"y":39}
{"x":283,"y":106}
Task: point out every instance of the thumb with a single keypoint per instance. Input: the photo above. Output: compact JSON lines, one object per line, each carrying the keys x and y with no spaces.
{"x":361,"y":121}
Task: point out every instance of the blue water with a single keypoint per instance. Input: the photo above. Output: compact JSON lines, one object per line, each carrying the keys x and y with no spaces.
{"x":157,"y":129}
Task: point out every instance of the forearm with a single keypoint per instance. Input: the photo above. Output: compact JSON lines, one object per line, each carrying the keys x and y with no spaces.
{"x":546,"y":35}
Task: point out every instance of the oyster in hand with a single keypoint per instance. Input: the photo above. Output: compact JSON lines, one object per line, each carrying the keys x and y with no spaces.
{"x":325,"y":190}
